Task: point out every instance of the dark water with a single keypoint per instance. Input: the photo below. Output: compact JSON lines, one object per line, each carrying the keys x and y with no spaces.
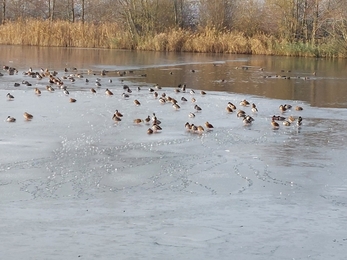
{"x":288,"y":78}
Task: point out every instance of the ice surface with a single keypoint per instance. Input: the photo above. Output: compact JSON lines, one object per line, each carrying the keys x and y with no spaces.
{"x":75,"y":184}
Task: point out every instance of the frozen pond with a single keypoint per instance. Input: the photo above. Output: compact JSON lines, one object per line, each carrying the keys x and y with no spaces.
{"x":75,"y":184}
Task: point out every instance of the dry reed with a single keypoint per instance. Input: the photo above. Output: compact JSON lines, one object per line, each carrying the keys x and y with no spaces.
{"x":207,"y":39}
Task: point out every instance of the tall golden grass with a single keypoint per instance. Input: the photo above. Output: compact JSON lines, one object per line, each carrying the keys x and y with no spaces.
{"x":110,"y":35}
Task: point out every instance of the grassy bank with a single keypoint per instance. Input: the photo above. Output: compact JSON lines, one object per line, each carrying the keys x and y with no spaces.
{"x":109,"y":35}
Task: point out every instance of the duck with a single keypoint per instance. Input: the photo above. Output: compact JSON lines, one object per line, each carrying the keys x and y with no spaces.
{"x":286,"y":123}
{"x":193,"y":100}
{"x":66,"y":92}
{"x":241,"y":113}
{"x":299,"y":122}
{"x":187,"y":126}
{"x":138,"y":121}
{"x":183,"y":99}
{"x":37,"y":91}
{"x":197,"y":108}
{"x":176,"y":106}
{"x":202,"y":92}
{"x":282,"y":108}
{"x":193,"y":128}
{"x":192,"y":91}
{"x":229,"y":109}
{"x":287,"y":106}
{"x":149,"y":131}
{"x":274,"y":124}
{"x":118,"y":114}
{"x":231,"y":105}
{"x":137,"y":103}
{"x":28,"y":116}
{"x":254,"y":108}
{"x":191,"y":115}
{"x":279,"y":118}
{"x":244,"y":103}
{"x":9,"y":96}
{"x":291,"y":119}
{"x":93,"y":90}
{"x":208,"y":125}
{"x":200,"y":129}
{"x":72,"y":100}
{"x":10,"y":119}
{"x":108,"y":92}
{"x":155,"y":94}
{"x":125,"y":95}
{"x":50,"y":88}
{"x":156,"y":128}
{"x":162,"y":100}
{"x":247,"y":120}
{"x":298,"y":108}
{"x":116,"y":118}
{"x":147,"y":119}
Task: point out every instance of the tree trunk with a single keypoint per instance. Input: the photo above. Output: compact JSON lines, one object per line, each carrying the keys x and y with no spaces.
{"x":3,"y":11}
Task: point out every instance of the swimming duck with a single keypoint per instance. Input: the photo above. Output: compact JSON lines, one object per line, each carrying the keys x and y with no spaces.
{"x":183,"y":99}
{"x":287,"y":106}
{"x":191,"y":115}
{"x":108,"y":92}
{"x":208,"y":125}
{"x":93,"y":90}
{"x":138,"y":121}
{"x":72,"y":100}
{"x":9,"y":96}
{"x":155,"y":94}
{"x":298,"y":108}
{"x":10,"y":119}
{"x":192,"y":92}
{"x":149,"y":131}
{"x":202,"y":92}
{"x":193,"y":100}
{"x":136,"y":102}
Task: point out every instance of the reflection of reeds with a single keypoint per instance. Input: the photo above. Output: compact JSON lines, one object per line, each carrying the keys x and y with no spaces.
{"x":109,"y":35}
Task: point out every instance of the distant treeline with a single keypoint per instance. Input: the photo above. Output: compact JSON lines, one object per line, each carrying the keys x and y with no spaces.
{"x":316,"y":28}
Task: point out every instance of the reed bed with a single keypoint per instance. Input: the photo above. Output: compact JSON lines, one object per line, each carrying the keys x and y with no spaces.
{"x":208,"y":40}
